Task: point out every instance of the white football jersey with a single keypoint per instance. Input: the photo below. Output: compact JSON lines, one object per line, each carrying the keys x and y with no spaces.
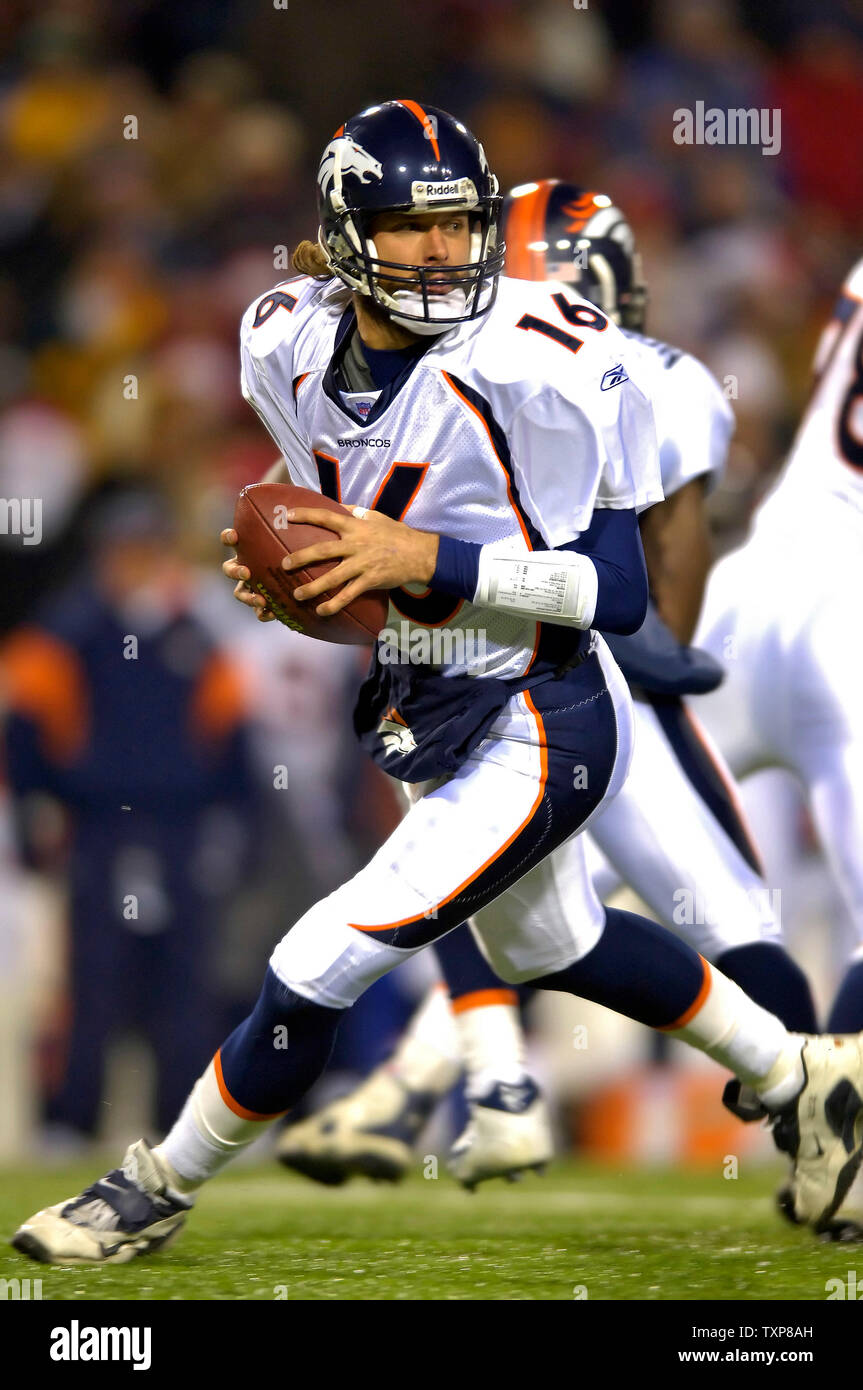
{"x":511,"y":428}
{"x":826,"y":458}
{"x":694,"y":422}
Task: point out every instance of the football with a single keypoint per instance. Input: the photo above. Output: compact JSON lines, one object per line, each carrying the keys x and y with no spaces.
{"x":265,"y":537}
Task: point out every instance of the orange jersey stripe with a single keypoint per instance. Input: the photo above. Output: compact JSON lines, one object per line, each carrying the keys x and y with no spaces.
{"x":482,"y":999}
{"x":425,"y":121}
{"x":543,"y":747}
{"x":239,"y":1110}
{"x":535,"y":651}
{"x":696,"y":1004}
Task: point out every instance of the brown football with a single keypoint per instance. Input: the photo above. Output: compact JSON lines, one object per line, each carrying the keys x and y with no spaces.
{"x":265,"y":536}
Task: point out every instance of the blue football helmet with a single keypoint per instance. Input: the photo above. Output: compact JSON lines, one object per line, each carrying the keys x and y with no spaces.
{"x":557,"y":231}
{"x":403,"y":157}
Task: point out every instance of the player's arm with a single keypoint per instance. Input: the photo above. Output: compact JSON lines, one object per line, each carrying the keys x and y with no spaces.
{"x":598,"y":580}
{"x":677,"y":547}
{"x":586,"y":463}
{"x":695,"y":425}
{"x":594,"y":576}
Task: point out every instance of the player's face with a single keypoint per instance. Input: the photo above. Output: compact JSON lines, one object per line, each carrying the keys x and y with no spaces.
{"x":422,"y":238}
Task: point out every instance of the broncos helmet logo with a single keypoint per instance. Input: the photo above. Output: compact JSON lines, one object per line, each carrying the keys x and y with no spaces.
{"x":347,"y":157}
{"x":579,"y":211}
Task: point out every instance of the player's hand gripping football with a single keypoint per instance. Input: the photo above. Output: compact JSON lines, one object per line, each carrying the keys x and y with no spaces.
{"x":375,"y":553}
{"x":240,"y":576}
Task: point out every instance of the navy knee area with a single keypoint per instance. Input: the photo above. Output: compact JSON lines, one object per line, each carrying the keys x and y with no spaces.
{"x":636,"y":968}
{"x":846,"y":1015}
{"x":767,"y":973}
{"x":279,"y":1051}
{"x":463,"y":966}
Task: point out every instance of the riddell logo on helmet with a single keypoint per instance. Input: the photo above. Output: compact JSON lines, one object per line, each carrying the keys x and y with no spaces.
{"x":435,"y":192}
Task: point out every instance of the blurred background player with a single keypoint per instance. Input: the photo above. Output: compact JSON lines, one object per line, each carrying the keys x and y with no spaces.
{"x":674,"y":832}
{"x":125,"y":716}
{"x":782,"y":613}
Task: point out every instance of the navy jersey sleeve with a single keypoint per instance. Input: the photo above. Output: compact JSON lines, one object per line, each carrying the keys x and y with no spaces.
{"x":612,"y":542}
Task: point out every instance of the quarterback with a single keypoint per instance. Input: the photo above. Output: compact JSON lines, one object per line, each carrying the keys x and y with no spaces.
{"x":673,"y":832}
{"x":403,"y":374}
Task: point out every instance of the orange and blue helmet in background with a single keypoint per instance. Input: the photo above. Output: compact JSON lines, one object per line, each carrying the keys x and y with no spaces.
{"x":558,"y":231}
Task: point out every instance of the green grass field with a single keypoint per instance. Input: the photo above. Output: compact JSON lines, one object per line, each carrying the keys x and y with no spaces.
{"x":259,"y":1234}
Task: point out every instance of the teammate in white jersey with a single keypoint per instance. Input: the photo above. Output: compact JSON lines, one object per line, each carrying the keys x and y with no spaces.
{"x":782,"y":613}
{"x":530,"y":474}
{"x":673,"y":832}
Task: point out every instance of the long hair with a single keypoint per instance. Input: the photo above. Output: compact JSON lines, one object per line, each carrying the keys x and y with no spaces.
{"x":309,"y":259}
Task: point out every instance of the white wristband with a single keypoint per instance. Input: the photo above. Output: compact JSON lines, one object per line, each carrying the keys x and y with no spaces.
{"x":556,"y":586}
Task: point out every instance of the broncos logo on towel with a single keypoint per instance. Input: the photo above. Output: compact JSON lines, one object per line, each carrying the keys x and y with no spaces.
{"x":396,"y":735}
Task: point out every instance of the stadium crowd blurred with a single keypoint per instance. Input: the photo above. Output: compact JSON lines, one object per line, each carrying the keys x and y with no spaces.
{"x":157,"y":168}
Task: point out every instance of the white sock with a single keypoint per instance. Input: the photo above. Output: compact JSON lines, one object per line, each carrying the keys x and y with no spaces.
{"x":786,"y":1077}
{"x":492,"y":1043}
{"x":734,"y":1030}
{"x":206,"y":1136}
{"x":428,"y":1058}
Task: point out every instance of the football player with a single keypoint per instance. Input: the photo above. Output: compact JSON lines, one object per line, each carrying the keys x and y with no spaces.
{"x":673,"y":833}
{"x":782,"y":613}
{"x":405,"y":376}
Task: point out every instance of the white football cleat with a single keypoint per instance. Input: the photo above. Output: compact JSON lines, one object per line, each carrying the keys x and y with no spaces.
{"x":132,"y":1211}
{"x":369,"y":1133}
{"x":846,"y":1224}
{"x":508,"y":1131}
{"x":822,"y":1130}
